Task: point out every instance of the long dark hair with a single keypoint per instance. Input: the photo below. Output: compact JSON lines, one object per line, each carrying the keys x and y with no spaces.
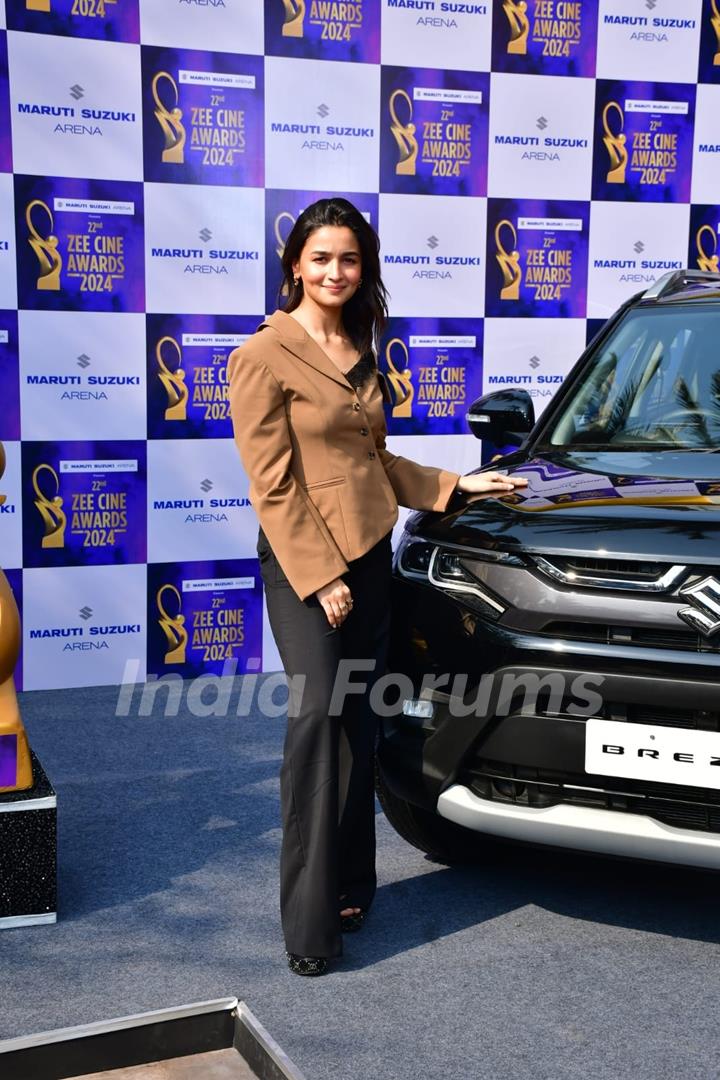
{"x":365,"y":313}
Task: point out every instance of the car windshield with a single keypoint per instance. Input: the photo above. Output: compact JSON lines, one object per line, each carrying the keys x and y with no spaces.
{"x":655,"y":382}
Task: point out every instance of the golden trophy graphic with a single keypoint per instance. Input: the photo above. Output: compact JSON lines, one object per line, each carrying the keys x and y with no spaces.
{"x":45,"y":248}
{"x":404,"y":135}
{"x":516,"y":14}
{"x":173,"y":627}
{"x":615,"y":145}
{"x":707,"y":262}
{"x":50,"y":509}
{"x":509,"y":263}
{"x":400,"y":380}
{"x":15,"y":764}
{"x":715,"y":20}
{"x":170,"y":120}
{"x":173,"y":381}
{"x":284,"y":215}
{"x":294,"y":18}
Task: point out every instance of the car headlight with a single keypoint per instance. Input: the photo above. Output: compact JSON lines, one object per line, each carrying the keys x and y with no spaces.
{"x":448,"y":572}
{"x":413,"y":558}
{"x":446,"y":569}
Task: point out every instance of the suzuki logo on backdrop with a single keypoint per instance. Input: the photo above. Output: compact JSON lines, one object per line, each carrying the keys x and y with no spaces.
{"x":638,"y":267}
{"x":654,"y":27}
{"x":76,"y":116}
{"x":704,"y":615}
{"x":204,"y":260}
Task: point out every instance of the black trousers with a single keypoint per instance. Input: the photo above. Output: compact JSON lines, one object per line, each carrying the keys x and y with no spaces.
{"x":326,"y":779}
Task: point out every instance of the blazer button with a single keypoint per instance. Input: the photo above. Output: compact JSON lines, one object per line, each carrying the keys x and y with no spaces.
{"x":364,"y":431}
{"x":371,"y":454}
{"x":356,"y":406}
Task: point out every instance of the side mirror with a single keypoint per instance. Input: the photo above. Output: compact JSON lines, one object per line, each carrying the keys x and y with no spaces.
{"x":505,"y":416}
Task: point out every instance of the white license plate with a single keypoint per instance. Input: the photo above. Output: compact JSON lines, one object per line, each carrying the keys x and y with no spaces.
{"x":644,"y":752}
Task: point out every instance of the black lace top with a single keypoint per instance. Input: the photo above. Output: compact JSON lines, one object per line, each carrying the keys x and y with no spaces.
{"x":360,"y":372}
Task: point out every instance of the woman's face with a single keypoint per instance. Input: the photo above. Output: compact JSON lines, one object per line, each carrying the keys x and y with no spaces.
{"x":330,"y":266}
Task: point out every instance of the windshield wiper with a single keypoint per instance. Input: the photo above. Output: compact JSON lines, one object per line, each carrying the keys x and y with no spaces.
{"x":607,"y":447}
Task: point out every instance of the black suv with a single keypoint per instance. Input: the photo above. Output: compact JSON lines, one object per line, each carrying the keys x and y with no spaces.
{"x":561,"y":646}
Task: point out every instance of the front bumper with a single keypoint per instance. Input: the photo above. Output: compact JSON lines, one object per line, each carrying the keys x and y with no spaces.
{"x":603,"y":832}
{"x":522,"y":773}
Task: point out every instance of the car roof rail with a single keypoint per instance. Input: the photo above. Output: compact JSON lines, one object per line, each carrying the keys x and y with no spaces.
{"x":675,"y":280}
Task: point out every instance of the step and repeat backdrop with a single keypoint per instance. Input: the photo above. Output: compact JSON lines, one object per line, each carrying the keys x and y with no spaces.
{"x":528,"y":164}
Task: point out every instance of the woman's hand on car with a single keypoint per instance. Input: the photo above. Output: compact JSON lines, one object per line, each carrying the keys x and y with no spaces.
{"x":489,"y":483}
{"x":336,"y":601}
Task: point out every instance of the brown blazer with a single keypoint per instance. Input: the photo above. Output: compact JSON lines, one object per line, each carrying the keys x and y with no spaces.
{"x":322,"y":484}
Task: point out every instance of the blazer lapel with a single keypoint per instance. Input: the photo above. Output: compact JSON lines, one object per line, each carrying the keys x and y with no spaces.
{"x":297,"y":341}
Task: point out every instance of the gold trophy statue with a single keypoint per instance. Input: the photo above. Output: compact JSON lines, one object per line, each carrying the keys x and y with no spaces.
{"x":15,"y":765}
{"x":509,"y":263}
{"x":400,"y":379}
{"x":404,"y":135}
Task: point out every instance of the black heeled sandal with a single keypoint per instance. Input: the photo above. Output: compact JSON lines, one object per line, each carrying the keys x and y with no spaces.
{"x":307,"y":965}
{"x":349,"y":924}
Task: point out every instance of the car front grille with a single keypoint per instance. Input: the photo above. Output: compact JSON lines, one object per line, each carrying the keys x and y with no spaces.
{"x":671,"y":804}
{"x":657,"y":638}
{"x":618,"y":568}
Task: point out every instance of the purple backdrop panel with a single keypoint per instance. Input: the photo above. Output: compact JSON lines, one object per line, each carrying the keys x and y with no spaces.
{"x":203,"y":616}
{"x":203,"y":117}
{"x":84,"y":503}
{"x":106,"y":20}
{"x":537,"y":258}
{"x":643,"y":141}
{"x":438,"y":363}
{"x":434,"y":131}
{"x":545,"y":37}
{"x":187,"y":359}
{"x":9,"y":377}
{"x":323,"y":30}
{"x":79,"y":244}
{"x":8,"y":760}
{"x":5,"y":132}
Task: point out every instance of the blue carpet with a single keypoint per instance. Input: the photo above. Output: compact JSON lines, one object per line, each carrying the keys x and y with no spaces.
{"x":534,"y":965}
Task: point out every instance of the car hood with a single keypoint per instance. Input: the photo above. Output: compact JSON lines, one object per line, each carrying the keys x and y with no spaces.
{"x":597,"y":504}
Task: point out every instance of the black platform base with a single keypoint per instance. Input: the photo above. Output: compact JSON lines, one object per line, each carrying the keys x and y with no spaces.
{"x":28,"y":854}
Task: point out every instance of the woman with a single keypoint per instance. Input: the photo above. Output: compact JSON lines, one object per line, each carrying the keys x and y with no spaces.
{"x":307,"y":410}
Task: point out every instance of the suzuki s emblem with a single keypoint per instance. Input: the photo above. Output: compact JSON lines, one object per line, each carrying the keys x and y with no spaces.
{"x":705,"y":613}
